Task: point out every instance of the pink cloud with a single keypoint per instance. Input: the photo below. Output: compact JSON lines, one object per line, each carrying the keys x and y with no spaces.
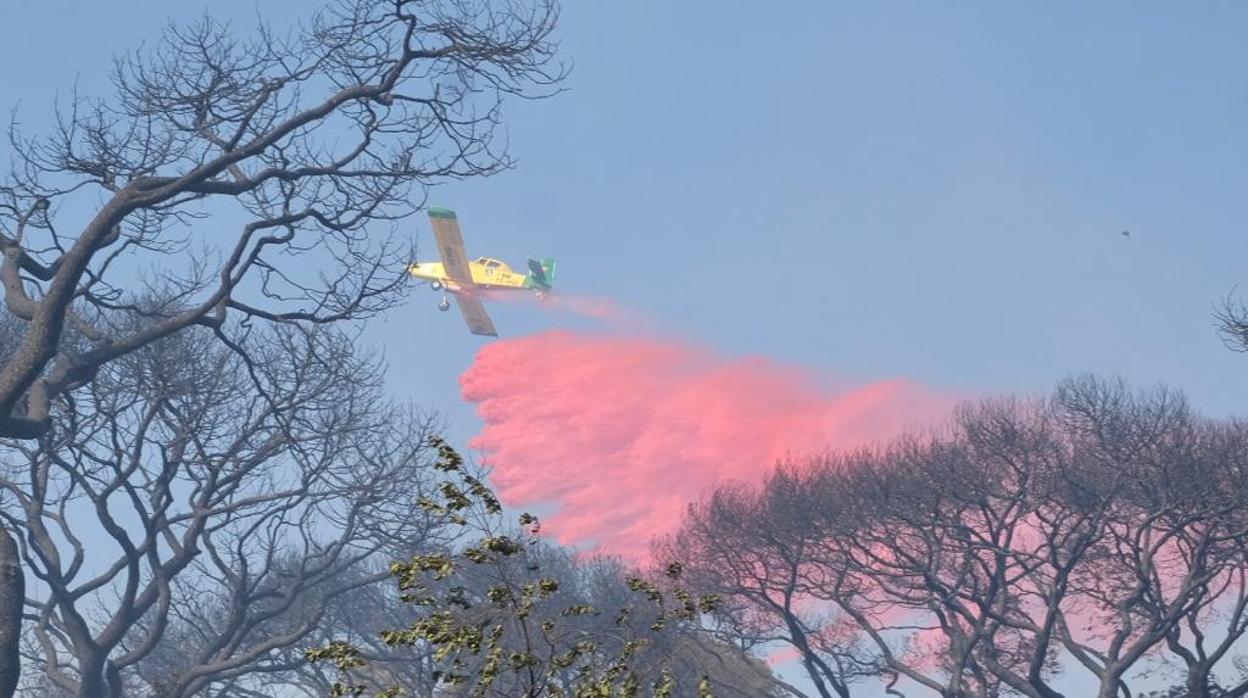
{"x":621,"y":433}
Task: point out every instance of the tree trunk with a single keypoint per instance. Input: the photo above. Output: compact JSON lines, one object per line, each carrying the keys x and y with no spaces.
{"x":1111,"y":684}
{"x":12,"y":596}
{"x":91,"y":682}
{"x":1198,"y":682}
{"x":808,"y":655}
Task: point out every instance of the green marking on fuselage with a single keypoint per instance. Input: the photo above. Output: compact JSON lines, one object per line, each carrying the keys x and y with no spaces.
{"x":441,"y":213}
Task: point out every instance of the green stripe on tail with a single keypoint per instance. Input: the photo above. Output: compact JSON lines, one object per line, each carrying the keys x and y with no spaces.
{"x":541,"y":274}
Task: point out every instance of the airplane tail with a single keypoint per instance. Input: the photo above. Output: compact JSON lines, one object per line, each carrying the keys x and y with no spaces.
{"x":542,"y":273}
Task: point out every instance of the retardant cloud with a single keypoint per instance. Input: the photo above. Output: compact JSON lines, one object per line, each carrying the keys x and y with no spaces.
{"x":620,"y":433}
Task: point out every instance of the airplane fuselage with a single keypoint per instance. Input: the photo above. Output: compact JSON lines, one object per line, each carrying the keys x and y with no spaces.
{"x":488,"y":274}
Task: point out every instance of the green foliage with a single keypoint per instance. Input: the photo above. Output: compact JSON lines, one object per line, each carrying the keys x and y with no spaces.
{"x":496,"y":626}
{"x":345,"y":659}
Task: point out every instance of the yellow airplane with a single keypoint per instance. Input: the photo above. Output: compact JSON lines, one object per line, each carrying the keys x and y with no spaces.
{"x":465,"y":279}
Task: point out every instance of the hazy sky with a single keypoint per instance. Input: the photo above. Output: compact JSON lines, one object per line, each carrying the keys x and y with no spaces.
{"x":918,"y":190}
{"x":922,"y":190}
{"x":927,"y":190}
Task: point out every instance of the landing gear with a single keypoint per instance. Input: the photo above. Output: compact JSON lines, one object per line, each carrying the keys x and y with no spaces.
{"x":435,"y":285}
{"x":444,"y":304}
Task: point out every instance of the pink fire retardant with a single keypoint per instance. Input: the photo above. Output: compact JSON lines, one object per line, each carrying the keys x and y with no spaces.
{"x":619,"y":434}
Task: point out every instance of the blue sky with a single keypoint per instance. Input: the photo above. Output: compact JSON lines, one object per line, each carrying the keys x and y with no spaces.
{"x":896,"y":189}
{"x":925,"y":190}
{"x":890,"y":189}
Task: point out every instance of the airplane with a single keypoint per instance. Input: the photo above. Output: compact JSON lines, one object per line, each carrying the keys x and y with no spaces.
{"x":466,"y":279}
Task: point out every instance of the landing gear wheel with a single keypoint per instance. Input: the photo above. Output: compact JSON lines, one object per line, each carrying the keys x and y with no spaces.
{"x":444,"y":305}
{"x":435,"y":285}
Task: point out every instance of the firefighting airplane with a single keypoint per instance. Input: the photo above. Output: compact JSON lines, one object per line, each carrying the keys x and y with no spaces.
{"x":465,"y":279}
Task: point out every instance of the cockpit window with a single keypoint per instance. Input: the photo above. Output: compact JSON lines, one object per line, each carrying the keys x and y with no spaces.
{"x":491,"y":263}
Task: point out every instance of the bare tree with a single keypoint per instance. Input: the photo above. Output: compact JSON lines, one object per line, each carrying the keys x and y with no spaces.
{"x":12,"y":592}
{"x":307,"y":144}
{"x":12,"y":578}
{"x":1231,"y":319}
{"x":308,"y":139}
{"x":1206,"y":639}
{"x":1169,"y":564}
{"x":1093,"y":530}
{"x":355,"y":607}
{"x":912,"y":542}
{"x":176,"y":516}
{"x":756,"y":551}
{"x":1040,"y":519}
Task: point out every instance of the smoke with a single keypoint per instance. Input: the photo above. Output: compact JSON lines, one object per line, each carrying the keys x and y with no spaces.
{"x":619,"y":434}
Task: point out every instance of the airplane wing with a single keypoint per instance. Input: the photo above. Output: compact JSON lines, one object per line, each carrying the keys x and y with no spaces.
{"x":474,"y":313}
{"x":455,"y":262}
{"x":451,"y":247}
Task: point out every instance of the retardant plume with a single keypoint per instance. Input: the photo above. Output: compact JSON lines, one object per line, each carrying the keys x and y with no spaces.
{"x":600,"y":308}
{"x":621,"y":433}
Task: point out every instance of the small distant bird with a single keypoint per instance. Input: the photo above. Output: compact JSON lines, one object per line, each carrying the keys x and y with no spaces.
{"x":1126,"y":233}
